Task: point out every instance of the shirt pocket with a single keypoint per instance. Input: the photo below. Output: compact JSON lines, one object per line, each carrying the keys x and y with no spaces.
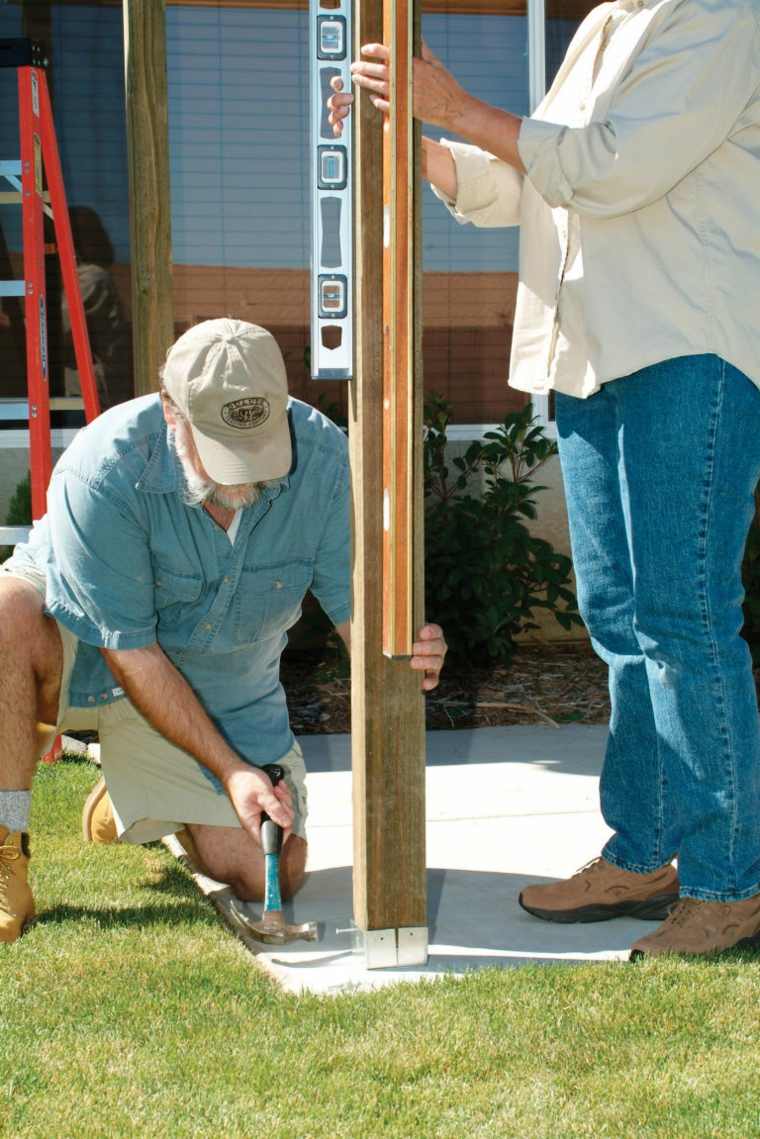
{"x":268,"y":600}
{"x":176,"y":594}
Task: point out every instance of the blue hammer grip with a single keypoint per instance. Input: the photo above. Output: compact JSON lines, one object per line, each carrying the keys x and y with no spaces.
{"x":271,"y":842}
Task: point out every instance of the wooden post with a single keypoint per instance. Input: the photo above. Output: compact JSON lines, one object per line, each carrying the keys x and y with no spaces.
{"x":388,"y":727}
{"x":149,"y":197}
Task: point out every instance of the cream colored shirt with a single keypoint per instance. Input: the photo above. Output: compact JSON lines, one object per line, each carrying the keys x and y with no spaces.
{"x":640,"y":210}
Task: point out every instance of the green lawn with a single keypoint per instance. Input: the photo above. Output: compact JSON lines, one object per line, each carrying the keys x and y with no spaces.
{"x":129,"y":1011}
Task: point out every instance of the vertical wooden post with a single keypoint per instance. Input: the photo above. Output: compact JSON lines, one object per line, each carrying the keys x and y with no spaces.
{"x":149,"y":197}
{"x":388,"y":727}
{"x":399,"y":311}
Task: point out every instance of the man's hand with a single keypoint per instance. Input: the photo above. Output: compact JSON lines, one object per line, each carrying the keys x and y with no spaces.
{"x":428,"y":654}
{"x":251,"y":792}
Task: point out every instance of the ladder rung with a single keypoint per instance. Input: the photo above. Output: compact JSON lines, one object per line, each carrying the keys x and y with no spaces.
{"x":10,"y":167}
{"x":12,"y":288}
{"x":67,"y":403}
{"x":18,"y":409}
{"x":13,"y":198}
{"x":10,"y":535}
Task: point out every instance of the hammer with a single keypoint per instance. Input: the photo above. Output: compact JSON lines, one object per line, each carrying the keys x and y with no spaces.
{"x":272,"y":929}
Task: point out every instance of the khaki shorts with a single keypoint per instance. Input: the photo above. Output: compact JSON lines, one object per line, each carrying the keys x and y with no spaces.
{"x":155,"y":787}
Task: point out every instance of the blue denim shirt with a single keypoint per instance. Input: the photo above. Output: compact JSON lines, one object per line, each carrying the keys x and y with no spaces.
{"x":128,"y":564}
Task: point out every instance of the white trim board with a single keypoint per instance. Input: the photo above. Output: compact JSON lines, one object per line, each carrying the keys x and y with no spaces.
{"x":17,"y":439}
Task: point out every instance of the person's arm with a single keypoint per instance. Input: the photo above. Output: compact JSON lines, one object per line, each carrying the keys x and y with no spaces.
{"x":677,"y":103}
{"x":476,"y":186}
{"x":344,"y":632}
{"x":680,"y":99}
{"x":438,"y":100}
{"x":439,"y":168}
{"x":163,"y":696}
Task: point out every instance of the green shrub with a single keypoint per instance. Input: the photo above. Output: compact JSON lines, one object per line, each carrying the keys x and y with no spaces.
{"x":19,"y":512}
{"x":485,"y":573}
{"x":20,"y":505}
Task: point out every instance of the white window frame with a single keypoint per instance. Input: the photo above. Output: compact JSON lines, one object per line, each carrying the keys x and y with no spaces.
{"x":17,"y":438}
{"x":461,"y":432}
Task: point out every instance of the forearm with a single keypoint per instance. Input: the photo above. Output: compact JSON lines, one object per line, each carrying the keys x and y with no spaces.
{"x":163,"y":696}
{"x":489,"y":128}
{"x":439,"y":168}
{"x":344,"y":632}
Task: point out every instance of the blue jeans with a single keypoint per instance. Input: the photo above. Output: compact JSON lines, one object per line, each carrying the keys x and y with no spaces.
{"x":660,"y":469}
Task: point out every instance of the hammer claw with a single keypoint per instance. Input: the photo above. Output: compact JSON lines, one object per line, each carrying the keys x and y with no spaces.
{"x":272,"y":929}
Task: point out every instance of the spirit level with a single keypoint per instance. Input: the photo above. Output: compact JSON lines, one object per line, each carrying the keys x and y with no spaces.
{"x":332,"y":225}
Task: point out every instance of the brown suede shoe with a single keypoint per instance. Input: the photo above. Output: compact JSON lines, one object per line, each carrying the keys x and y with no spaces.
{"x":16,"y":902}
{"x":600,"y":891}
{"x":700,"y":928}
{"x":98,"y":823}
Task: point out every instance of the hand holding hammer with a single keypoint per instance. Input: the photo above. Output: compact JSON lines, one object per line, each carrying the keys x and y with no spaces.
{"x":272,"y":929}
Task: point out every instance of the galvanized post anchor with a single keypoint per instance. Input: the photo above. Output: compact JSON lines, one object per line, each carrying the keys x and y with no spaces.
{"x":388,"y":948}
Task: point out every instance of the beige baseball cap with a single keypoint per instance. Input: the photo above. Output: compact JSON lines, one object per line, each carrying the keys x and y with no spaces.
{"x":228,"y":379}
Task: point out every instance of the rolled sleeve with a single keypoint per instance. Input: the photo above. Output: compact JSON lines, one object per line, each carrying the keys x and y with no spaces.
{"x":678,"y":102}
{"x":331,"y":583}
{"x":489,"y":191}
{"x":100,"y":576}
{"x":538,"y":144}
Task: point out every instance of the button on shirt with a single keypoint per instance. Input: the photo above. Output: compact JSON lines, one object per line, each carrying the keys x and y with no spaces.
{"x":129,"y":564}
{"x":640,"y":228}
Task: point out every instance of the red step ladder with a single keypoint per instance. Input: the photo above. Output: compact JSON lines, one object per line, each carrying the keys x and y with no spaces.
{"x":39,"y":156}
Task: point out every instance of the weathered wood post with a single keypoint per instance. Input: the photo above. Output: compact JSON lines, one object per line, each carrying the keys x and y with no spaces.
{"x":149,"y":195}
{"x":388,"y":727}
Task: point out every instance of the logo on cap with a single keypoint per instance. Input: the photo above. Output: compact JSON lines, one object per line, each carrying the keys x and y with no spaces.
{"x":246,"y":413}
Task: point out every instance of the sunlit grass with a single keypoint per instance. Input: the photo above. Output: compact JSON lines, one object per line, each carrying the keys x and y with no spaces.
{"x":128,"y":1010}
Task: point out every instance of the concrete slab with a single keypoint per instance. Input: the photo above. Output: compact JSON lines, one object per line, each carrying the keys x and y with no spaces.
{"x":506,"y":807}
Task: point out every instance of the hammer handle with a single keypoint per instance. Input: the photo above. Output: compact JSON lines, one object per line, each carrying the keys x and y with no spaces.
{"x":271,"y":842}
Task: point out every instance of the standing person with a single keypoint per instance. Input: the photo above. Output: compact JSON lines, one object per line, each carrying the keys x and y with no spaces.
{"x":107,"y":327}
{"x":636,"y":185}
{"x":153,"y":600}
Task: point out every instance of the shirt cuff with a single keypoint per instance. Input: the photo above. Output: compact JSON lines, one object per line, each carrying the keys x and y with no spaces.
{"x":538,"y":144}
{"x":91,"y":634}
{"x":476,"y":188}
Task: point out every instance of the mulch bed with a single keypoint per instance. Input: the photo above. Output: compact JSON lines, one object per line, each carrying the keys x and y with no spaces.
{"x":546,"y":684}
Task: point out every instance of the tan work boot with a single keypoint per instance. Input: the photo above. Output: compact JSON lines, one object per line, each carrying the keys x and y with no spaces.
{"x":600,"y":891}
{"x":98,"y":823}
{"x":16,"y":901}
{"x":698,"y":928}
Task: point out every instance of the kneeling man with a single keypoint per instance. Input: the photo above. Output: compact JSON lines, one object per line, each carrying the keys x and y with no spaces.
{"x":152,"y":602}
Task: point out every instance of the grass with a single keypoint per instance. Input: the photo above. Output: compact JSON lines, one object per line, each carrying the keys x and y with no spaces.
{"x":127,"y":1010}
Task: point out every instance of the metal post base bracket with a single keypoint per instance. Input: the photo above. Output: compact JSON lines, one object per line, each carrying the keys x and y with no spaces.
{"x":387,"y":948}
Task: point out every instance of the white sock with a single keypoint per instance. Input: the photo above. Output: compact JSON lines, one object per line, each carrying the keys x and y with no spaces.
{"x":14,"y":809}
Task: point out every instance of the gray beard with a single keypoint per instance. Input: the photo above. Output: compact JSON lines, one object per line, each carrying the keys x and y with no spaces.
{"x":238,"y":500}
{"x":198,"y":491}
